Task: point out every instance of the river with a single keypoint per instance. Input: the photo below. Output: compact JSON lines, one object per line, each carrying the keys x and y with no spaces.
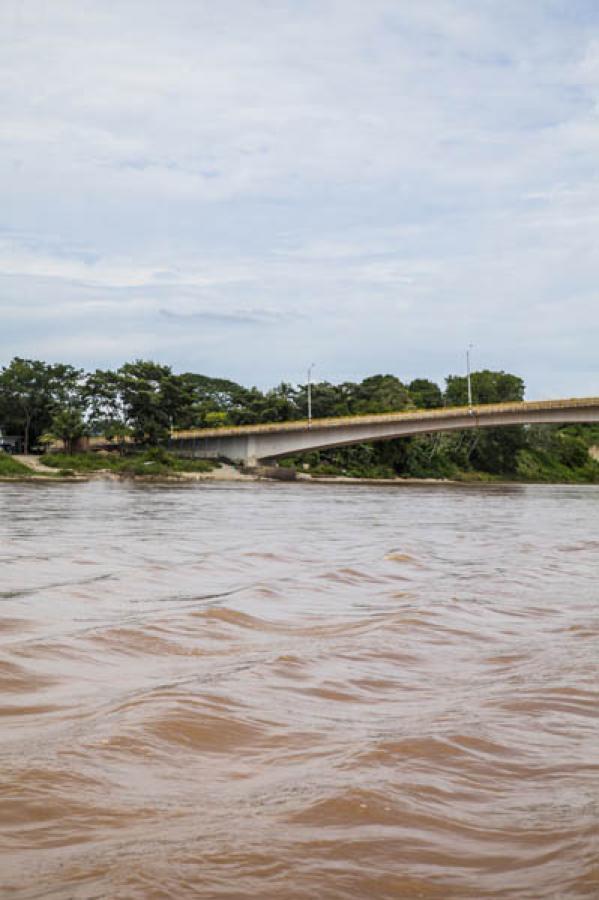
{"x":299,"y":691}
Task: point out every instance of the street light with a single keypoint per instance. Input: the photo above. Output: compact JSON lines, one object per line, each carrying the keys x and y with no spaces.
{"x":310,"y":367}
{"x":468,"y":378}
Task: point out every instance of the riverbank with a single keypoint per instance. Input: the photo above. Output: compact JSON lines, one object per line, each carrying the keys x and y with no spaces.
{"x":225,"y":472}
{"x":159,"y":466}
{"x":32,"y":468}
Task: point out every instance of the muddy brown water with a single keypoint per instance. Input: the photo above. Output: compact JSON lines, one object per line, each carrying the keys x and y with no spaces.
{"x":299,"y":691}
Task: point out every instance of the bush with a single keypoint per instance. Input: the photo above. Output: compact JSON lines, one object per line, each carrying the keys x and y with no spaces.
{"x":159,"y":455}
{"x":80,"y":462}
{"x":571,"y":451}
{"x":10,"y":467}
{"x":538,"y":465}
{"x":156,"y":461}
{"x":195,"y":465}
{"x":141,"y":466}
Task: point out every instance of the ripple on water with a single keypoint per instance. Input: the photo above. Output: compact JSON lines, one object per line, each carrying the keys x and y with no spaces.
{"x":328,"y":692}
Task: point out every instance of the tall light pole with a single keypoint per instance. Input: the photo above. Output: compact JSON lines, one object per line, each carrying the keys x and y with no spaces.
{"x":310,"y":367}
{"x":468,"y":378}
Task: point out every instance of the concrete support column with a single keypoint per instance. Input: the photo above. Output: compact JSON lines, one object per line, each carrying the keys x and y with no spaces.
{"x":251,"y":457}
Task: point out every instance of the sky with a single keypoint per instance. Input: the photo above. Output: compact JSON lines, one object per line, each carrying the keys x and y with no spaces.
{"x":245,"y":187}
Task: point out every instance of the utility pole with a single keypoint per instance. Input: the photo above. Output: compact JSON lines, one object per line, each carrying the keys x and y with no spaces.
{"x":468,"y":378}
{"x":310,"y":367}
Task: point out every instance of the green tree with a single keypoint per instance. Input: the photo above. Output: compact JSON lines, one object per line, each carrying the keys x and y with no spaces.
{"x":425,"y":394}
{"x":216,"y":419}
{"x":379,"y":394}
{"x":487,"y":387}
{"x":69,"y":426}
{"x":102,"y":396}
{"x":153,"y":399}
{"x":495,"y":449}
{"x":32,"y":392}
{"x":328,"y":400}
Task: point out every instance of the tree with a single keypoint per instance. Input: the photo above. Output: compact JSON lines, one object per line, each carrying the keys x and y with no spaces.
{"x":68,"y":425}
{"x":379,"y":394}
{"x":216,"y":419}
{"x":153,"y":399}
{"x":495,"y":449}
{"x":101,"y":394}
{"x":142,"y":398}
{"x":425,"y":394}
{"x":487,"y":387}
{"x":31,"y":392}
{"x":327,"y":400}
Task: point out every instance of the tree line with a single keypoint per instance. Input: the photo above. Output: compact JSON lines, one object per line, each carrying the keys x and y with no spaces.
{"x":147,"y":400}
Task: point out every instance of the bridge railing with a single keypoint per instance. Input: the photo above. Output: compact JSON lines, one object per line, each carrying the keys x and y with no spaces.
{"x":449,"y":412}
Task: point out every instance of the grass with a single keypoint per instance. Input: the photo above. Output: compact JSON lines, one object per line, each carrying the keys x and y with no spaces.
{"x":324,"y":470}
{"x":475,"y":476}
{"x":12,"y":468}
{"x":78,"y":462}
{"x":152,"y":462}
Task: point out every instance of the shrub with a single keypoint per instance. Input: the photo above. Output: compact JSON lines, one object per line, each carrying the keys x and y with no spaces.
{"x":195,"y":465}
{"x":12,"y":467}
{"x":156,"y":461}
{"x":80,"y":462}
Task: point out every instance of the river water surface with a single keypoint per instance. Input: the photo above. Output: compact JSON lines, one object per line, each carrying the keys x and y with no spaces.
{"x":299,"y":691}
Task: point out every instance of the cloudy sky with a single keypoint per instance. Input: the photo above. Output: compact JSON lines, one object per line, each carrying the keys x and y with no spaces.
{"x":244,"y":187}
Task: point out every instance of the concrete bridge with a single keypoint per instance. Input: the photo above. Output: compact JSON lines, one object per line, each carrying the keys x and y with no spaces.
{"x":252,"y":444}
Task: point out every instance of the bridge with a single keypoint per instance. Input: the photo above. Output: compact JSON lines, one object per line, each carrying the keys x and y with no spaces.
{"x":253,"y":444}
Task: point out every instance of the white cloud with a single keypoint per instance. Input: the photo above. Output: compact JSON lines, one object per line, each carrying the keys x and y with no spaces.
{"x":371,"y":184}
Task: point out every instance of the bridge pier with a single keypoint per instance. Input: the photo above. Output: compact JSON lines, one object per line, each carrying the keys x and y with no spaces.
{"x":239,"y":448}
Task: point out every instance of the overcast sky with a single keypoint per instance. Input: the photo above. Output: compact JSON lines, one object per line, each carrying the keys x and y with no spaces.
{"x":244,"y":187}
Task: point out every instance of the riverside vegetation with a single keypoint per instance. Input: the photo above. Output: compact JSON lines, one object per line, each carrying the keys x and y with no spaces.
{"x":12,"y":468}
{"x":154,"y":462}
{"x":143,"y":400}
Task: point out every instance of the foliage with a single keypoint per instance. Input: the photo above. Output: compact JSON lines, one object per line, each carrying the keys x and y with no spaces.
{"x":156,"y":461}
{"x":142,"y":398}
{"x":32,"y":392}
{"x":81,"y":462}
{"x":379,"y":394}
{"x":425,"y":394}
{"x":487,"y":387}
{"x":153,"y":400}
{"x":101,"y":393}
{"x":10,"y":467}
{"x":214,"y":419}
{"x":68,"y":425}
{"x":221,"y":402}
{"x":538,"y":465}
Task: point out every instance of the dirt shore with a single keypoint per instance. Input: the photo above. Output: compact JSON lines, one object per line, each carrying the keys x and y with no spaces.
{"x":225,"y":472}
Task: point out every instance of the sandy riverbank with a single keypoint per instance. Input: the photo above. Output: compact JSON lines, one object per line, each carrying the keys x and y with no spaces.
{"x":223,"y":473}
{"x":41,"y":472}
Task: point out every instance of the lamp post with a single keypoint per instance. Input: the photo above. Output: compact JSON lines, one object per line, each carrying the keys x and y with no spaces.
{"x":310,"y":367}
{"x":468,"y":378}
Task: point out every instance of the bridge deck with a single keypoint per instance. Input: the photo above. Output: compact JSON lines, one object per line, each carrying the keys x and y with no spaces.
{"x":449,"y":412}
